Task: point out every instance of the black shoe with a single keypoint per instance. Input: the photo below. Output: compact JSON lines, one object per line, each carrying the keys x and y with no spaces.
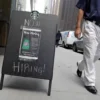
{"x":79,"y":73}
{"x":91,"y":89}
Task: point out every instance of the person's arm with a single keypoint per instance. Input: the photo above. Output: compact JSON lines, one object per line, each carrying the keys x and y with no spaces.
{"x":79,"y":18}
{"x":81,"y":5}
{"x":78,"y":24}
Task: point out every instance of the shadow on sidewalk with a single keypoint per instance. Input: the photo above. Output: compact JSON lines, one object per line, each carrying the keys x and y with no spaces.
{"x":26,"y":84}
{"x":78,"y":80}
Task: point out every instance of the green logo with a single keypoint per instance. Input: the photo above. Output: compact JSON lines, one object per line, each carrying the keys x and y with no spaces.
{"x":34,"y":15}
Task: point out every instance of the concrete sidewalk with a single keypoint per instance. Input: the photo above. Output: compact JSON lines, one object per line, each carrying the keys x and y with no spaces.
{"x":66,"y":85}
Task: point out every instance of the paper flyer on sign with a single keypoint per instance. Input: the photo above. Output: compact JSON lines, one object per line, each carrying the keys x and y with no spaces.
{"x":30,"y":44}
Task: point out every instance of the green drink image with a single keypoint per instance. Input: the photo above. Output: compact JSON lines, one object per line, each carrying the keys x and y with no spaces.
{"x":26,"y":44}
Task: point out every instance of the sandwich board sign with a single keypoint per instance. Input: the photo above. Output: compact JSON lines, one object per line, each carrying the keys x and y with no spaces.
{"x":30,"y":46}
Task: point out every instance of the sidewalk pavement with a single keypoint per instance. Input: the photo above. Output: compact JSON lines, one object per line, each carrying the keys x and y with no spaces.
{"x":66,"y":85}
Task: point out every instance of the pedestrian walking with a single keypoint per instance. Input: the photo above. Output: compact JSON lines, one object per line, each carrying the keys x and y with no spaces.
{"x":58,"y":37}
{"x":89,"y":11}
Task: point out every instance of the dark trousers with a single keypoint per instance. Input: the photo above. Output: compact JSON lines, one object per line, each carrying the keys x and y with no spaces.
{"x":57,"y":42}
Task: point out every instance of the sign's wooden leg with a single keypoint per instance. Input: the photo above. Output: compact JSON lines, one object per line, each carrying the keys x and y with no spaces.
{"x":49,"y":89}
{"x":1,"y":84}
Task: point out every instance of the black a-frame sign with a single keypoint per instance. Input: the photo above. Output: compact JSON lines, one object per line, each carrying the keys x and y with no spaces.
{"x":30,"y":47}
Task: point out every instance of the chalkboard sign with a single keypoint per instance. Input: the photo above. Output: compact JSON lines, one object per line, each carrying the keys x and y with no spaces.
{"x":31,"y":46}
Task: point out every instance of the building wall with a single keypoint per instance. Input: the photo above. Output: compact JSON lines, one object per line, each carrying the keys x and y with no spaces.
{"x":55,"y":7}
{"x":5,"y":7}
{"x":21,"y":5}
{"x":68,"y":14}
{"x":65,"y":10}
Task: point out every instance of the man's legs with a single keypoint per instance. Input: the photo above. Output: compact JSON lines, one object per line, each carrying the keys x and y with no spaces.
{"x":90,"y":49}
{"x":97,"y":56}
